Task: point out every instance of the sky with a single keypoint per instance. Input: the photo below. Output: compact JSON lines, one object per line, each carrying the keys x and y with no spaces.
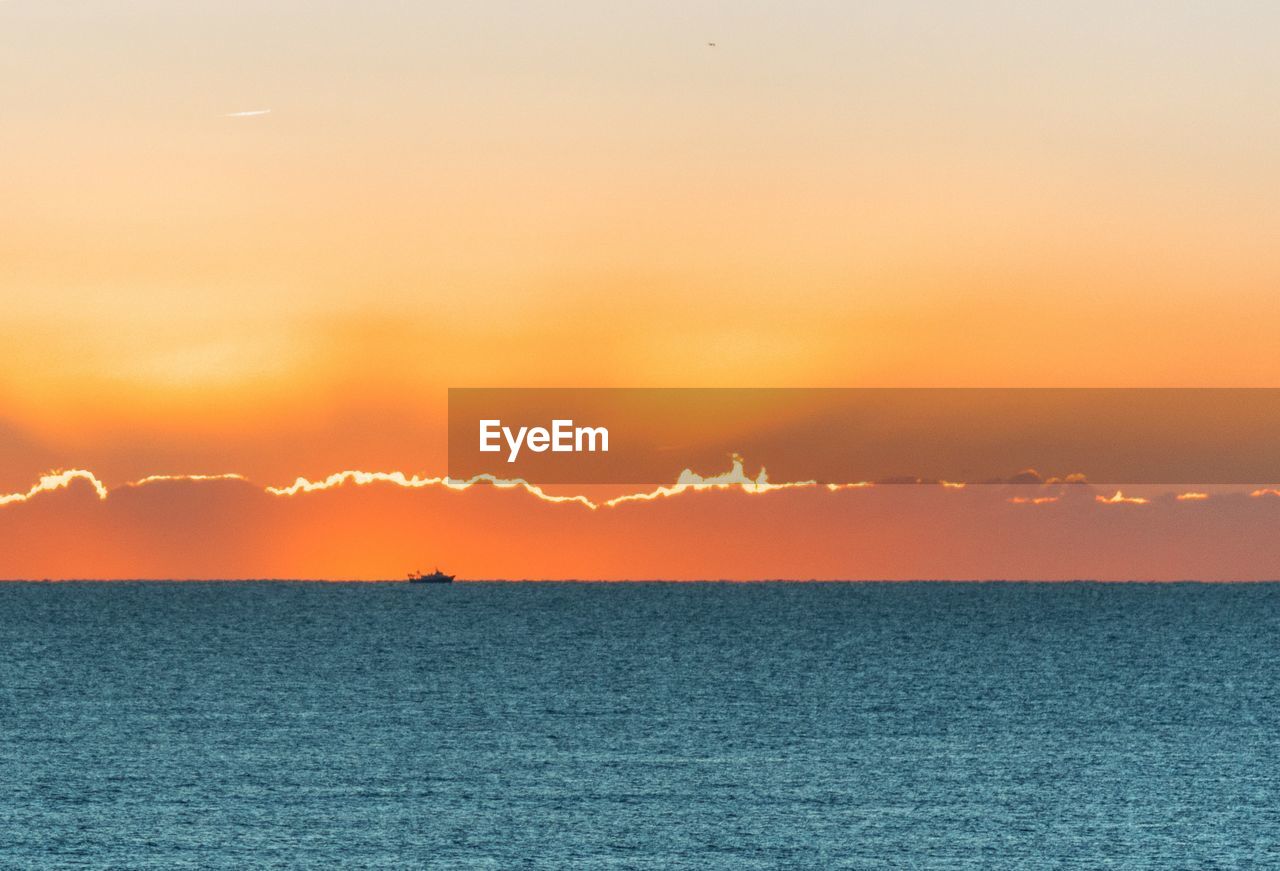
{"x":264,"y":238}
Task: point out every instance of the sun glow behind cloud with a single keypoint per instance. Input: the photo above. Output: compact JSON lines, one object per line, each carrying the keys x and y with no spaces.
{"x":735,"y":479}
{"x":154,"y":479}
{"x":371,"y":525}
{"x":1118,"y":498}
{"x":233,"y":256}
{"x":688,"y":480}
{"x":55,"y":481}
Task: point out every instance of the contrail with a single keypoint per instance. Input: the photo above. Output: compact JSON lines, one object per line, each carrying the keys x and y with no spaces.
{"x":249,"y":113}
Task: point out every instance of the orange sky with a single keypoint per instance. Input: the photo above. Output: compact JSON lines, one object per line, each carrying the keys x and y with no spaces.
{"x":379,"y":530}
{"x":875,"y":194}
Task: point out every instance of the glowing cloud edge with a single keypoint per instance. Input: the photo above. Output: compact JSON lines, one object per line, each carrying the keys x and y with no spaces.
{"x":736,"y":478}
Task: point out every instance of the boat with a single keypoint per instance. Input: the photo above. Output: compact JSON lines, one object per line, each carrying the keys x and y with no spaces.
{"x":436,"y":577}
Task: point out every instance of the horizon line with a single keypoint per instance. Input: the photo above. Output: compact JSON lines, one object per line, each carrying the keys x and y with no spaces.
{"x":616,"y":581}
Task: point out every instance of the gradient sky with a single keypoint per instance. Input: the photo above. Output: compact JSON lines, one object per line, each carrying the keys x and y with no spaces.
{"x":574,"y":194}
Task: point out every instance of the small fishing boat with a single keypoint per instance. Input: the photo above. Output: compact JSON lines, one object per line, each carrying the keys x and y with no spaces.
{"x":436,"y":577}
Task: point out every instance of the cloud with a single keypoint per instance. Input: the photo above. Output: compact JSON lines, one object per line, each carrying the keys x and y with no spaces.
{"x":400,"y":479}
{"x":55,"y":481}
{"x":735,"y":478}
{"x":730,"y":525}
{"x":1120,"y":499}
{"x":156,"y":479}
{"x":1026,"y":476}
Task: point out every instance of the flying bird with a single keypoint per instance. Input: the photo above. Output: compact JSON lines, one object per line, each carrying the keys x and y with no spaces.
{"x":712,"y":44}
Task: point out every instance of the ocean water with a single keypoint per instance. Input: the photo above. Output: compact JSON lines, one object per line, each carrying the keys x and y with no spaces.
{"x":282,"y":725}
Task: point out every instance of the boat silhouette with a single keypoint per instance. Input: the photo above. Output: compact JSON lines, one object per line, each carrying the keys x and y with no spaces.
{"x":436,"y":577}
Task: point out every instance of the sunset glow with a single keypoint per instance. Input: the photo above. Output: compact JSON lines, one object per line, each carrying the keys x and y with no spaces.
{"x":698,"y":434}
{"x":271,"y":249}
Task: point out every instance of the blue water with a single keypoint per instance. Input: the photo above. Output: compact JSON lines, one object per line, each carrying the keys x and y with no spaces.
{"x":280,"y":725}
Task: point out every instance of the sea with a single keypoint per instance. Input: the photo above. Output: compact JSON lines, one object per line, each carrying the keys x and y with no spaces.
{"x":247,"y":725}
